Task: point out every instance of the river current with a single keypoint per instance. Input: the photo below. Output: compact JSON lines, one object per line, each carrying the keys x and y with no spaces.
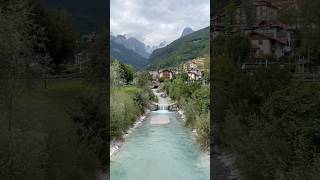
{"x":160,"y":152}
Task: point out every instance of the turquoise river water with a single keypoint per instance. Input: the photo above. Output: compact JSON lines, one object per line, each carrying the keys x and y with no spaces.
{"x":160,"y":152}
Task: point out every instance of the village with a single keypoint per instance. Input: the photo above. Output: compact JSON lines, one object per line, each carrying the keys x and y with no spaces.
{"x":194,"y":70}
{"x":271,"y":40}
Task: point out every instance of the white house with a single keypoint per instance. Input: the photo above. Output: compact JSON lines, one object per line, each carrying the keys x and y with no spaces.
{"x":194,"y":75}
{"x":265,"y":46}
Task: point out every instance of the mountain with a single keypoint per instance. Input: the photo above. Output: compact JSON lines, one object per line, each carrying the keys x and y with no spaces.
{"x":181,"y":50}
{"x":125,"y":55}
{"x":89,"y":16}
{"x":186,"y":32}
{"x":132,"y":44}
{"x":151,"y":49}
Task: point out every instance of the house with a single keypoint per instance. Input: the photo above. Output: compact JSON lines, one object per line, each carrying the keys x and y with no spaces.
{"x":81,"y":60}
{"x":165,"y":74}
{"x":265,"y":46}
{"x":276,"y":30}
{"x":269,"y":38}
{"x":195,"y":75}
{"x":197,"y":63}
{"x":264,"y":10}
{"x":189,"y":66}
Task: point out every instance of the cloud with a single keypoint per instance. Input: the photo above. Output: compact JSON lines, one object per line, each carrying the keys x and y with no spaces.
{"x":154,"y":21}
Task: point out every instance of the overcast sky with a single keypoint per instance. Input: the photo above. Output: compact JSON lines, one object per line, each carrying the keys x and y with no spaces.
{"x":154,"y":21}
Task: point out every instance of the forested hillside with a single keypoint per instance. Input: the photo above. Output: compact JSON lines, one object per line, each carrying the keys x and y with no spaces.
{"x":188,"y":47}
{"x":125,"y":55}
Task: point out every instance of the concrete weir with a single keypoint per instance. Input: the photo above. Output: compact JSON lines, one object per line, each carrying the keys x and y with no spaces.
{"x":160,"y":119}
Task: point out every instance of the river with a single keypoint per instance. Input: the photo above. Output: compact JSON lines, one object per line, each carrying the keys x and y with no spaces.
{"x":161,"y":151}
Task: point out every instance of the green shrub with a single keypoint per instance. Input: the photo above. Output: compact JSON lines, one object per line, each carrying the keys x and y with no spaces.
{"x":203,"y":130}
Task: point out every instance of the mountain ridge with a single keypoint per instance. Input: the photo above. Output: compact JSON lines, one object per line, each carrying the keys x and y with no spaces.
{"x":186,"y":31}
{"x":181,"y":50}
{"x":125,"y":55}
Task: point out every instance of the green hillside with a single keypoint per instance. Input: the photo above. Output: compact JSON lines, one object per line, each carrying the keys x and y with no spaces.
{"x":183,"y":49}
{"x":127,"y":56}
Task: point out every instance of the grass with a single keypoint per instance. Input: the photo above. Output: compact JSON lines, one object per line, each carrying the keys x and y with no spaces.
{"x":48,"y":113}
{"x":130,"y":90}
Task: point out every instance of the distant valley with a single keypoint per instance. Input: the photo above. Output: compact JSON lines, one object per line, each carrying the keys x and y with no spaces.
{"x":130,"y":50}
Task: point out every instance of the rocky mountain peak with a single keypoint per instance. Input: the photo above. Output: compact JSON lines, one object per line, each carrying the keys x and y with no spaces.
{"x":186,"y":31}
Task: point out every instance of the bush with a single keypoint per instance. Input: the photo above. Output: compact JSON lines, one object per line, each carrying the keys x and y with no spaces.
{"x":91,"y":125}
{"x":203,"y":130}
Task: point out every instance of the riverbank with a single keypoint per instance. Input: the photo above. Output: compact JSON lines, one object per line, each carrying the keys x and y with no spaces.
{"x":180,"y":112}
{"x":151,"y":147}
{"x":115,"y":145}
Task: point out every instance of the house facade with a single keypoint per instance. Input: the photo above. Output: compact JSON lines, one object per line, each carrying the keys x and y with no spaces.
{"x":269,"y":38}
{"x":165,"y":74}
{"x":195,"y":75}
{"x":265,"y":10}
{"x":197,"y":63}
{"x":81,"y":60}
{"x":194,"y":68}
{"x":264,"y":46}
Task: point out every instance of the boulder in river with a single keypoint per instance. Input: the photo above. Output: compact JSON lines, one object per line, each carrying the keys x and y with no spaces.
{"x":153,"y":107}
{"x":173,"y":107}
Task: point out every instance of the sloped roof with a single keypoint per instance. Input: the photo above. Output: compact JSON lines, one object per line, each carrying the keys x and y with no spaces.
{"x":267,"y":37}
{"x":264,"y":3}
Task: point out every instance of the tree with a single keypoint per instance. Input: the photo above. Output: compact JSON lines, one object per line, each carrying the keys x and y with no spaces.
{"x":116,"y":74}
{"x":59,"y":27}
{"x":97,"y":75}
{"x":128,"y":72}
{"x":22,"y":56}
{"x":303,"y":15}
{"x":144,"y":79}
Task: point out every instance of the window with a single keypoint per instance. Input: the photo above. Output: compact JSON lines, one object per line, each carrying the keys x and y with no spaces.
{"x":260,"y":42}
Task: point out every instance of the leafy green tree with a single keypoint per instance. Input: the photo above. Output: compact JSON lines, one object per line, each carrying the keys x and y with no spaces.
{"x":22,"y":40}
{"x":128,"y":72}
{"x":230,"y":23}
{"x":61,"y":34}
{"x":144,"y":79}
{"x":91,"y":125}
{"x":116,"y":74}
{"x":97,"y":70}
{"x":94,"y":115}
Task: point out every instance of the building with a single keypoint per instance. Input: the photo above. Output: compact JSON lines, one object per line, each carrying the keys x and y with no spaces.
{"x":265,"y":10}
{"x":165,"y":74}
{"x":264,"y":46}
{"x":81,"y":60}
{"x":197,"y":63}
{"x":269,"y":38}
{"x":195,"y":75}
